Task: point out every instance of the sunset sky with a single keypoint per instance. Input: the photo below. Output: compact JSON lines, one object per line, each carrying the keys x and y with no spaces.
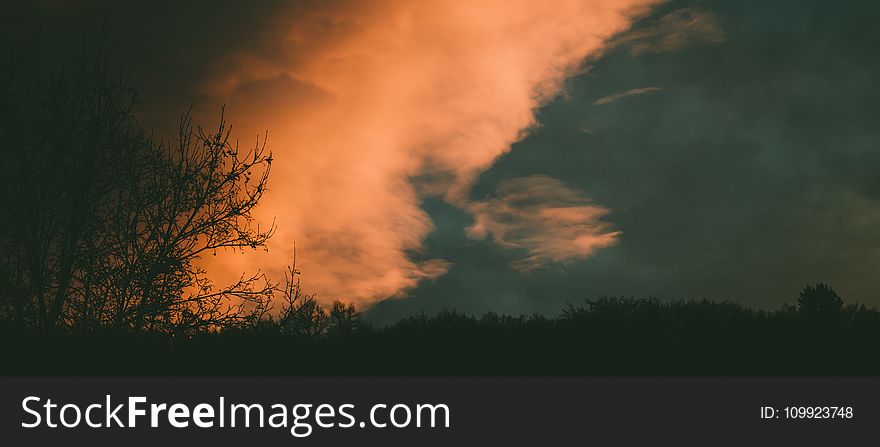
{"x":512,"y":156}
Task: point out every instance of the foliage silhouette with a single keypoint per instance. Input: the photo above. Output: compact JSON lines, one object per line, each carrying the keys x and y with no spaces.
{"x":102,"y":227}
{"x":819,"y":300}
{"x":604,"y":337}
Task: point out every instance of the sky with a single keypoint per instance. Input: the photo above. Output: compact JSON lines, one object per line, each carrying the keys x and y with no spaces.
{"x":513,"y":156}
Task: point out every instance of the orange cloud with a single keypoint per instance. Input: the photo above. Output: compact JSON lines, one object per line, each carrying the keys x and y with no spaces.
{"x":360,"y":97}
{"x":544,"y":218}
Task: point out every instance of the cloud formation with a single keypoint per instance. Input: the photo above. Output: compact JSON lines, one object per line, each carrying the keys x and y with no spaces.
{"x":361,"y":97}
{"x":679,"y":29}
{"x":630,"y":92}
{"x":542,"y":217}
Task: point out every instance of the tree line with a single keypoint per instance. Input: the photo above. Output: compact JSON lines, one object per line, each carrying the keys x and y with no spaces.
{"x":610,"y":336}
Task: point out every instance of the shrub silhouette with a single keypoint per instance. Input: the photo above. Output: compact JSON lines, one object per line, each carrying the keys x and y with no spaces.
{"x":820,"y":299}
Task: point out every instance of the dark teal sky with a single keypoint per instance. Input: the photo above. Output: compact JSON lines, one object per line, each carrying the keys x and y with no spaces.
{"x":752,"y":171}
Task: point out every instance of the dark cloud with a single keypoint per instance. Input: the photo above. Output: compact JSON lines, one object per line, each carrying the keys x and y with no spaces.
{"x":165,"y":48}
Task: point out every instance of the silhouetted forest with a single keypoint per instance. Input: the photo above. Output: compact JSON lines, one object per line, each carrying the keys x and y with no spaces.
{"x":102,"y":227}
{"x":606,"y":337}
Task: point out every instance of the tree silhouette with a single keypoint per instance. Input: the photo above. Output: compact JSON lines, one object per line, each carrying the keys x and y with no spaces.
{"x":190,"y":199}
{"x":63,"y":142}
{"x":344,"y":319}
{"x":820,"y":299}
{"x":300,"y":314}
{"x":102,"y":227}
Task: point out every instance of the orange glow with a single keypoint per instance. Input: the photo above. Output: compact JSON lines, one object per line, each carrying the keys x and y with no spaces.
{"x":361,"y":96}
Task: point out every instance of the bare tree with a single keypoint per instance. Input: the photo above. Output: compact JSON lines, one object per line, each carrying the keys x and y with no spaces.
{"x":62,"y":141}
{"x":187,"y":200}
{"x":104,"y":228}
{"x":300,"y":314}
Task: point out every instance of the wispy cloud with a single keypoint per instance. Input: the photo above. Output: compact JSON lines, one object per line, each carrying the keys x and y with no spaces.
{"x":630,"y":92}
{"x":674,"y":31}
{"x":548,"y":221}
